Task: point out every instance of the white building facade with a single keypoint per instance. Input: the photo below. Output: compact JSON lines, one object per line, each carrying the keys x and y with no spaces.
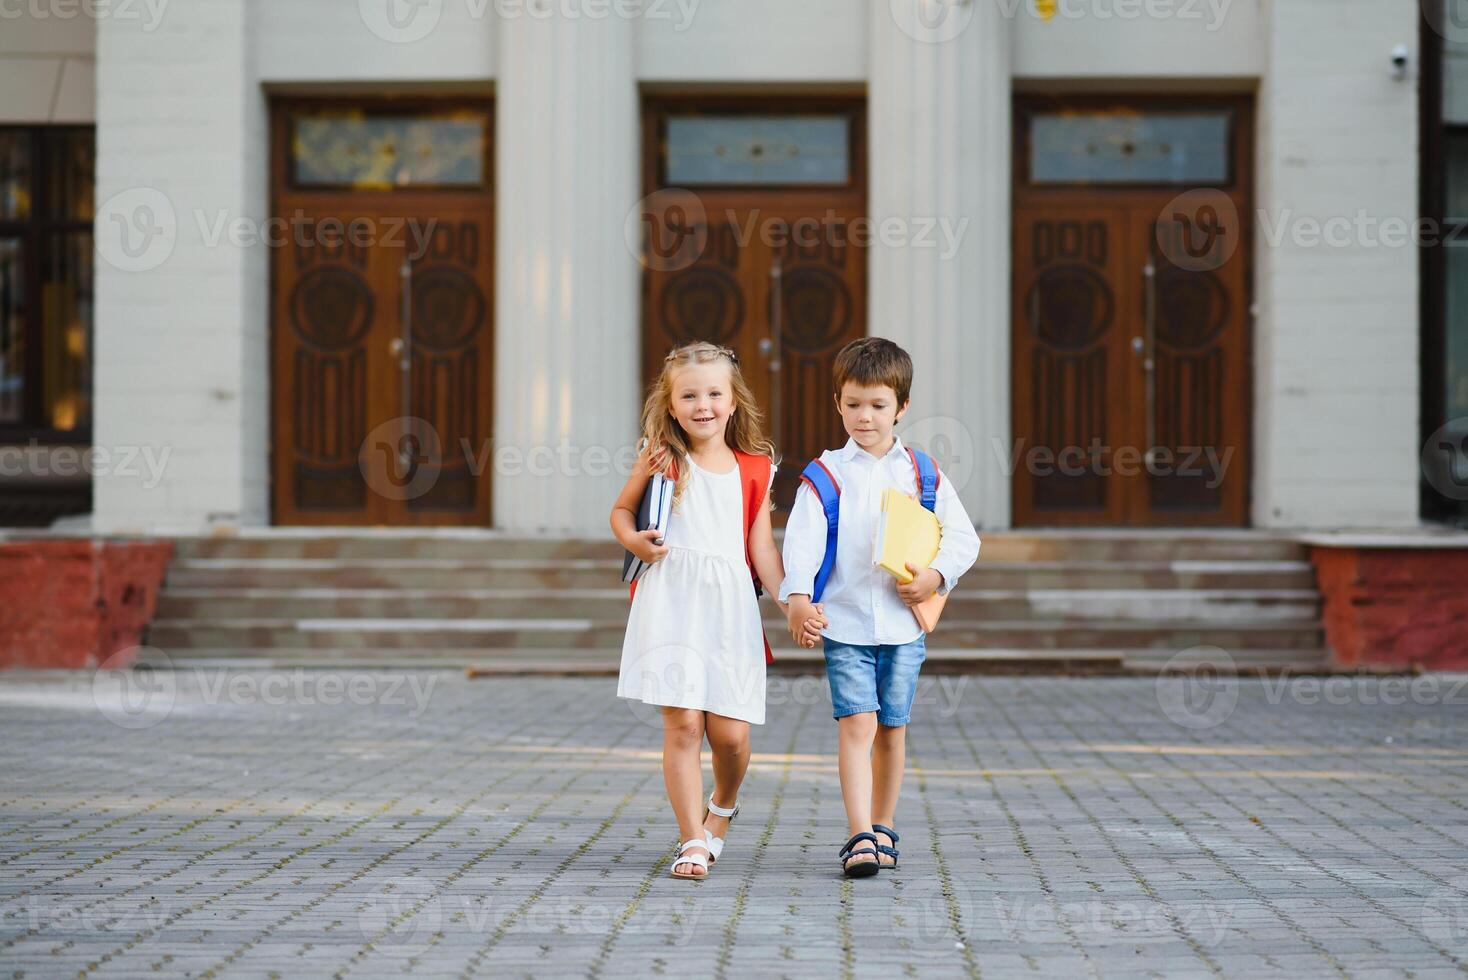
{"x":1033,"y":181}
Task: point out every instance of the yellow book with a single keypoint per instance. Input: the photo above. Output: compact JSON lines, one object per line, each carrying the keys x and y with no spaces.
{"x":906,"y":532}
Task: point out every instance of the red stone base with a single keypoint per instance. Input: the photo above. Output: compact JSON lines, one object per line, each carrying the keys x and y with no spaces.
{"x":1395,"y":608}
{"x":75,"y":602}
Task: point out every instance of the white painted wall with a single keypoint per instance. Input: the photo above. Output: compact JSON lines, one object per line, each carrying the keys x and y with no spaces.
{"x":1336,"y":341}
{"x":180,"y":325}
{"x":47,"y":64}
{"x":335,"y":41}
{"x":1139,"y":39}
{"x":752,"y":40}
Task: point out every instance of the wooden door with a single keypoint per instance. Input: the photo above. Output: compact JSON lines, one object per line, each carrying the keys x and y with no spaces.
{"x":776,"y":273}
{"x":382,"y":363}
{"x":1131,"y":339}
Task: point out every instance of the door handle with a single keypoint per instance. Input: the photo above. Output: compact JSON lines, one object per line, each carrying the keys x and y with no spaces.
{"x":770,"y":346}
{"x":402,"y":347}
{"x":1146,"y":345}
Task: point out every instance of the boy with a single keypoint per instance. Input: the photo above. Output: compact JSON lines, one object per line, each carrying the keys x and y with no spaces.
{"x":874,"y":646}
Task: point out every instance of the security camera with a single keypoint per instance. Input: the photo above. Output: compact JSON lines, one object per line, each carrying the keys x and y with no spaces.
{"x":1399,"y":61}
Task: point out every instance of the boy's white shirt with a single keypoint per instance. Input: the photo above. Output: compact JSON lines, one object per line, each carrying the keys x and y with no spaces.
{"x":860,"y":600}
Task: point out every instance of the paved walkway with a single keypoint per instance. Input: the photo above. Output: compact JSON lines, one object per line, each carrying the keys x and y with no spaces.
{"x":329,"y":823}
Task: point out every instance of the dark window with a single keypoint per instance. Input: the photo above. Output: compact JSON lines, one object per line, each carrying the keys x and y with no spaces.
{"x":1444,"y":93}
{"x":46,"y":181}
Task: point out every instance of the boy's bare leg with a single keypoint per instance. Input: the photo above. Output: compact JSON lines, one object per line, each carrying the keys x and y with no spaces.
{"x":889,"y":757}
{"x":683,"y":775}
{"x":854,"y":761}
{"x":729,"y":744}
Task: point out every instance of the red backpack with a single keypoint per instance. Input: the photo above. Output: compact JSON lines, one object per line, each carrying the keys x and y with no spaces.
{"x":754,"y":478}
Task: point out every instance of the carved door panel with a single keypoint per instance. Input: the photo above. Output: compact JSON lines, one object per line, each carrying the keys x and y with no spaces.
{"x":383,"y":366}
{"x":1131,"y":323}
{"x":784,"y":288}
{"x":1071,"y":375}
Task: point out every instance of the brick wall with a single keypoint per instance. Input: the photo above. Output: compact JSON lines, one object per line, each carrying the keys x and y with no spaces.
{"x":74,"y":602}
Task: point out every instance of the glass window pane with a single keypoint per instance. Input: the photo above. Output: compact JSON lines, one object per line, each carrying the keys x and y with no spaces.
{"x":66,"y":339}
{"x":1129,"y":148}
{"x":758,"y":150}
{"x":15,"y":174}
{"x":12,"y":331}
{"x":1455,"y":176}
{"x":70,"y":167}
{"x":1455,"y":66}
{"x":355,"y":149}
{"x":1455,"y":343}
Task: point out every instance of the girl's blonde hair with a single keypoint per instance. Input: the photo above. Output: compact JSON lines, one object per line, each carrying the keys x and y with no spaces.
{"x":664,"y":440}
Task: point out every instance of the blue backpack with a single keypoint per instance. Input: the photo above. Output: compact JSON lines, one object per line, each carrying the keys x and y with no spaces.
{"x":829,"y":491}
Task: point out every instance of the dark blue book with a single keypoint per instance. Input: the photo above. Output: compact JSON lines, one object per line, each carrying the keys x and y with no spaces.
{"x":652,"y":514}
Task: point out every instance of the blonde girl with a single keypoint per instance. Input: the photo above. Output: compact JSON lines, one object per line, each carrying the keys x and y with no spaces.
{"x":695,"y":645}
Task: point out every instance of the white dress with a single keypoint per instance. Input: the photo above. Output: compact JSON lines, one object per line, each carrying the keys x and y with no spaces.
{"x":694,"y":637}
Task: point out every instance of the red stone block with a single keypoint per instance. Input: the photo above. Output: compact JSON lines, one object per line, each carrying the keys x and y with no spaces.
{"x":75,"y":602}
{"x":1395,"y":608}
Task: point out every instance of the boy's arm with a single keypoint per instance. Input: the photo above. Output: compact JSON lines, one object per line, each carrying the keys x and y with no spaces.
{"x":805,"y":544}
{"x":958,"y":547}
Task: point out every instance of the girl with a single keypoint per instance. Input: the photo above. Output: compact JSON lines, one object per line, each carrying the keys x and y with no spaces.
{"x":695,"y":645}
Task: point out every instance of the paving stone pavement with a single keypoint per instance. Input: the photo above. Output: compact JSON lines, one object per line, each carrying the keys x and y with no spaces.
{"x":258,"y":823}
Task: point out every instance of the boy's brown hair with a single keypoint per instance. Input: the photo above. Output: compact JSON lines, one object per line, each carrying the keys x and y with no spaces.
{"x":872,"y":362}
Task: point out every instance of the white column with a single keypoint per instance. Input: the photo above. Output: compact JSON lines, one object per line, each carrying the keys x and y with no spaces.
{"x":180,"y":361}
{"x":566,"y":295}
{"x":938,"y":116}
{"x":1335,"y":343}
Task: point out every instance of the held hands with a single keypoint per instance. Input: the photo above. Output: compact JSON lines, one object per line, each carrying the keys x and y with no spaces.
{"x":925,"y":582}
{"x":806,"y":620}
{"x":648,"y":546}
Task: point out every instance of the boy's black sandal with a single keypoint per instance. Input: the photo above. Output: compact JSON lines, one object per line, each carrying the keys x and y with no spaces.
{"x":891,"y":852}
{"x":861,"y":869}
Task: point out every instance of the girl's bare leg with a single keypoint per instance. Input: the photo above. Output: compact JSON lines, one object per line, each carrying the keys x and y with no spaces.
{"x":729,"y":744}
{"x":683,"y":775}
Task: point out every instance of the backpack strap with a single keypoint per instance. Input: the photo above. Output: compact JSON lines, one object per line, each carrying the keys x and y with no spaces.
{"x":823,"y":482}
{"x":754,"y":480}
{"x":926,"y":474}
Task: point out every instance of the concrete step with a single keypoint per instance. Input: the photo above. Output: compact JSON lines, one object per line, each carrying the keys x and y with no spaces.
{"x":1152,"y":605}
{"x":174,"y":635}
{"x":522,"y":573}
{"x":594,"y":662}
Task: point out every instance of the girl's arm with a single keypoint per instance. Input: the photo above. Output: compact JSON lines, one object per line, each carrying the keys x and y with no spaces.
{"x":624,"y":515}
{"x":765,"y":556}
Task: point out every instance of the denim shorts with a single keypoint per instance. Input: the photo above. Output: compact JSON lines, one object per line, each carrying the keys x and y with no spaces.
{"x":881,"y":678}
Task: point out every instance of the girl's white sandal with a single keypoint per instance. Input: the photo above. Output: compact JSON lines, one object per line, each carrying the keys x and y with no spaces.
{"x":698,"y":860}
{"x":716,"y":844}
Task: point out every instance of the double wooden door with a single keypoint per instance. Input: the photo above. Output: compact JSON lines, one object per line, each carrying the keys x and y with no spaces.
{"x":1131,"y":353}
{"x":383,"y":369}
{"x":382,"y":355}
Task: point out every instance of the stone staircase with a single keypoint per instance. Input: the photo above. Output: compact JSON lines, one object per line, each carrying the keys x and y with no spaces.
{"x":1064,"y":601}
